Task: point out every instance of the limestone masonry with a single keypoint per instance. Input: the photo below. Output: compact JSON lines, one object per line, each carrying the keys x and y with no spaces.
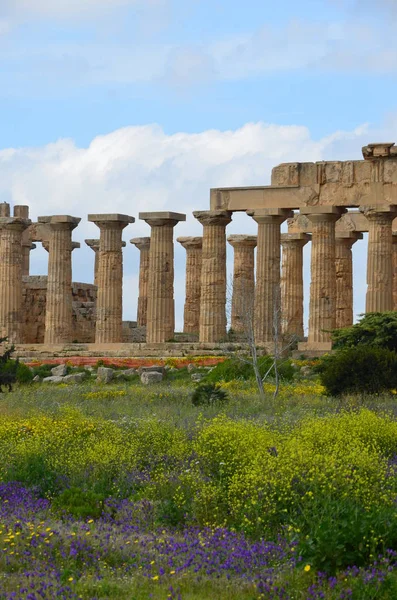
{"x":327,"y":204}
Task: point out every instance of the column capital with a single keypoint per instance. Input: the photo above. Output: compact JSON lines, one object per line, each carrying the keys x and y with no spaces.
{"x":242,"y":241}
{"x":190,"y":243}
{"x":213,"y":217}
{"x":46,"y":245}
{"x":348,"y":236}
{"x":270,"y":215}
{"x":162,"y":218}
{"x":93,"y":243}
{"x":142,"y":243}
{"x":388,"y":211}
{"x":111,"y":221}
{"x":323,"y":214}
{"x":60,"y":222}
{"x":295,"y":238}
{"x":15,"y":223}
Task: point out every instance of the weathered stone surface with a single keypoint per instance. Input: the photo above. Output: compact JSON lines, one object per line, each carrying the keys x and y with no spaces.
{"x":196,"y":377}
{"x":53,"y":379}
{"x":344,"y":276}
{"x":213,"y":274}
{"x":292,"y":284}
{"x":267,"y":306}
{"x":36,"y":379}
{"x":143,"y":245}
{"x":243,"y":280}
{"x":109,"y":309}
{"x":191,"y":315}
{"x":105,"y":374}
{"x":160,"y":305}
{"x":59,"y":371}
{"x":152,"y":369}
{"x":148,"y":378}
{"x":74,"y":378}
{"x":129,"y":372}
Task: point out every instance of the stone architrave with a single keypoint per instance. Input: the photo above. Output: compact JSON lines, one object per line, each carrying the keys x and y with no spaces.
{"x":143,"y":245}
{"x":194,"y":252}
{"x":109,"y":307}
{"x":267,"y":311}
{"x":243,"y":280}
{"x":344,"y":241}
{"x":59,"y":309}
{"x":395,"y":271}
{"x":213,"y":274}
{"x":380,"y":258}
{"x":160,"y":305}
{"x":322,"y":310}
{"x":11,"y":318}
{"x":292,"y":284}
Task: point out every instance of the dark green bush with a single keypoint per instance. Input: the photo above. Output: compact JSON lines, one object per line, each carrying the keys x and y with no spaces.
{"x":207,"y":394}
{"x":43,"y":370}
{"x":79,"y":503}
{"x":24,"y":374}
{"x":361,"y":370}
{"x":239,"y":368}
{"x":373,"y":329}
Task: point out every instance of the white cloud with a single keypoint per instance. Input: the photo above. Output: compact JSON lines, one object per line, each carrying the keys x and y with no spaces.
{"x":67,"y":8}
{"x":142,"y":169}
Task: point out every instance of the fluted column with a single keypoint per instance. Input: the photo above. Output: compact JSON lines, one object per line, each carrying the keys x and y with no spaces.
{"x":4,"y":209}
{"x":160,"y":305}
{"x":292,"y":284}
{"x":394,"y":271}
{"x":243,"y":279}
{"x":58,"y":315}
{"x":344,"y":241}
{"x":94,"y":245}
{"x":380,"y":258}
{"x":267,"y":314}
{"x":322,"y":311}
{"x":213,"y":274}
{"x":143,"y":245}
{"x":109,"y":305}
{"x":194,"y":252}
{"x":46,"y":245}
{"x":11,"y":318}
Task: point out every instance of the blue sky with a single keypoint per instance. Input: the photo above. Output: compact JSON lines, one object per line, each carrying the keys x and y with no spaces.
{"x":146,"y":104}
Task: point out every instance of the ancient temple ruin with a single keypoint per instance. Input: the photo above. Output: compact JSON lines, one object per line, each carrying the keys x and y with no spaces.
{"x":328,"y":204}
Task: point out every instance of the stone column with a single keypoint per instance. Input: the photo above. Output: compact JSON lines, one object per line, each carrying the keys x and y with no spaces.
{"x":243,"y":279}
{"x":267,"y":291}
{"x":4,"y":209}
{"x":58,"y":315}
{"x":344,"y":241}
{"x":46,"y":245}
{"x":380,"y":258}
{"x":292,"y":284}
{"x":322,"y":311}
{"x":143,"y":245}
{"x":94,"y":245}
{"x":109,"y":306}
{"x":194,"y":251}
{"x":213,"y":274}
{"x":11,"y":317}
{"x":160,"y":305}
{"x":395,"y":271}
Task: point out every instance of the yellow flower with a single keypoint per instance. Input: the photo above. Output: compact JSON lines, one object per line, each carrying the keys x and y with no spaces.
{"x":70,"y":579}
{"x":172,"y":572}
{"x":307,"y":568}
{"x":155,"y":578}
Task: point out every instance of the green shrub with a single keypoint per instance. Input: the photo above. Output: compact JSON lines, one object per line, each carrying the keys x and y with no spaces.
{"x":24,"y":374}
{"x":43,"y":370}
{"x":79,"y":503}
{"x":360,"y":370}
{"x":208,"y":393}
{"x":240,"y":368}
{"x":373,"y":329}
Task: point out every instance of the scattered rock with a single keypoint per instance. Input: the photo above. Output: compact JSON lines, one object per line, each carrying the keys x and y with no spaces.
{"x":120,"y":377}
{"x":105,"y":374}
{"x":59,"y":371}
{"x":129,"y":372}
{"x":149,"y":377}
{"x":152,"y":369}
{"x":191,"y":367}
{"x":36,"y":379}
{"x":306,"y":371}
{"x":53,"y":379}
{"x":196,"y":377}
{"x":74,"y":378}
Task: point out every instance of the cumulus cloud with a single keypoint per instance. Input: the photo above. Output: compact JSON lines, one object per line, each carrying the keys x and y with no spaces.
{"x":142,"y":169}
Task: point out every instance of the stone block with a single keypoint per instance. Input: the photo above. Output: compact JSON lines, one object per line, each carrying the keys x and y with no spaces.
{"x":150,"y":377}
{"x":130,"y":372}
{"x":59,"y":371}
{"x":152,"y":369}
{"x":53,"y":379}
{"x":36,"y":379}
{"x":197,"y":377}
{"x":191,"y":367}
{"x":74,"y":378}
{"x":105,"y":374}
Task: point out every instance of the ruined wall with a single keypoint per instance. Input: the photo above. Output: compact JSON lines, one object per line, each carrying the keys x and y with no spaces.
{"x":34,"y":304}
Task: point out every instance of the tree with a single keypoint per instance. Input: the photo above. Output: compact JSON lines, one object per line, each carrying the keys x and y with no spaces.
{"x":373,"y":329}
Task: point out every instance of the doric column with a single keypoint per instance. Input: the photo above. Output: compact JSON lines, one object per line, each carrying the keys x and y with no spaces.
{"x":322,"y":311}
{"x":94,"y":245}
{"x":4,"y":209}
{"x":22,"y":211}
{"x":143,"y":245}
{"x":380,"y":258}
{"x":243,"y":279}
{"x":109,"y":306}
{"x":58,"y":314}
{"x":160,"y":305}
{"x":394,"y":271}
{"x":46,"y":245}
{"x":194,"y":251}
{"x":344,"y":241}
{"x":11,"y":318}
{"x":213,"y":274}
{"x":292,"y":284}
{"x":267,"y":291}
